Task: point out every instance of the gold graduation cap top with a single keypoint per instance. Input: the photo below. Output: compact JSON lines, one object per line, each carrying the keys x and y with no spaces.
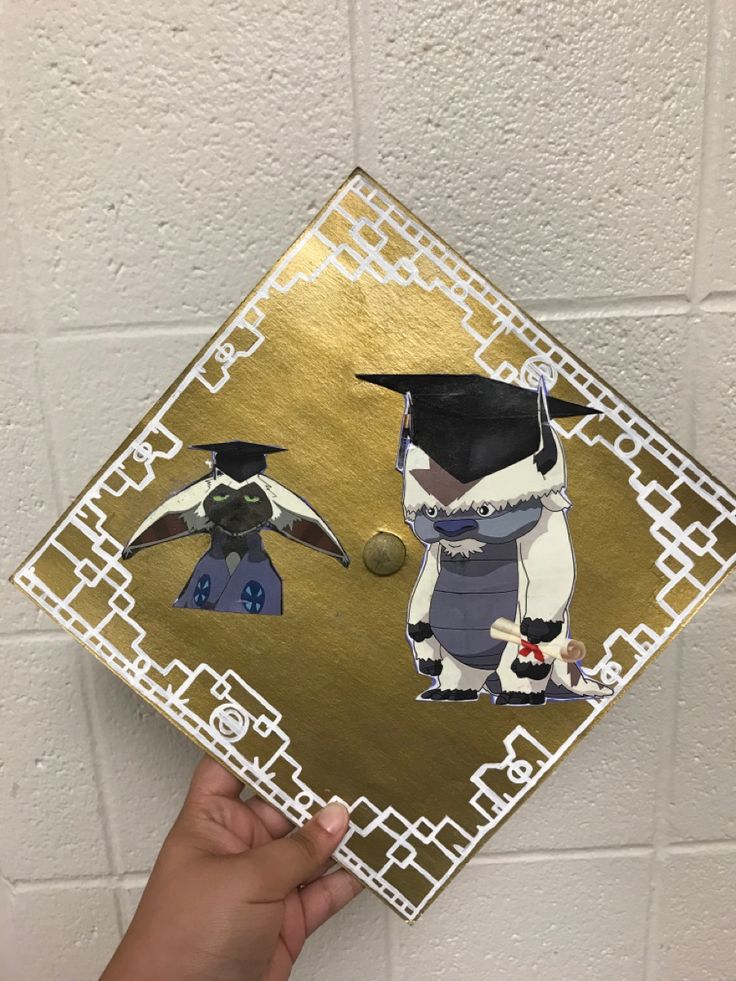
{"x":555,"y":540}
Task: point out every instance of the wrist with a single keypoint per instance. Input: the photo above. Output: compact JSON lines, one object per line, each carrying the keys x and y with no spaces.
{"x":540,"y":631}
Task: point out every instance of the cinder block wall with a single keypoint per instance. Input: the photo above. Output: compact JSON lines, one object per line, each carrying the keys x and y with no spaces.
{"x":156,"y":160}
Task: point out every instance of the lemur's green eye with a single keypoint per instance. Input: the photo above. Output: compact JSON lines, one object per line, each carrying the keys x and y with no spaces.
{"x":250,"y":500}
{"x":219,"y":497}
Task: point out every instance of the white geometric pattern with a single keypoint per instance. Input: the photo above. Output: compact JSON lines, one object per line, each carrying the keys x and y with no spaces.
{"x":239,"y":726}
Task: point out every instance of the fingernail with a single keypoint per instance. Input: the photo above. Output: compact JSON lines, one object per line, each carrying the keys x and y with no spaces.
{"x":333,"y":818}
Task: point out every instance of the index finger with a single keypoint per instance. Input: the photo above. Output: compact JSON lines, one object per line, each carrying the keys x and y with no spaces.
{"x":211,"y":779}
{"x":275,"y":823}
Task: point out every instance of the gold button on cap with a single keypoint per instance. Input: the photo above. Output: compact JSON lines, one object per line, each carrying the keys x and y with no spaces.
{"x":384,"y":553}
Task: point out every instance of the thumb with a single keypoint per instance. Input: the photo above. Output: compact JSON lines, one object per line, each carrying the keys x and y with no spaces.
{"x":277,"y":868}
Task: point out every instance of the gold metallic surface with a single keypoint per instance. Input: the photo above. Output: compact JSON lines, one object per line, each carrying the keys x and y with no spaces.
{"x":384,"y":554}
{"x":336,"y":664}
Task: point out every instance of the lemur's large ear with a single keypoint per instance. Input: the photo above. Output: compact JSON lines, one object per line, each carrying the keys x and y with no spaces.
{"x":546,"y":456}
{"x":177,"y":517}
{"x":295,"y":519}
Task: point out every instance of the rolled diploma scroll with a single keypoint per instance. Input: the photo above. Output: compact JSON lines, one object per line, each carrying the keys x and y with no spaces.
{"x":563,"y":650}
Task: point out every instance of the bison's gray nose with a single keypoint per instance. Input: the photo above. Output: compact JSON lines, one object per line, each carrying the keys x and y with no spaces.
{"x":453,"y":527}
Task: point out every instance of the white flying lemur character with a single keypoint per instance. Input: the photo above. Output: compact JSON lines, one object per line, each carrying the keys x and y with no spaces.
{"x":485,"y":492}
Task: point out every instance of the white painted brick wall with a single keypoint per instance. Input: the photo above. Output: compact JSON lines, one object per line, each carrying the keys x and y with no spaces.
{"x":155,"y":161}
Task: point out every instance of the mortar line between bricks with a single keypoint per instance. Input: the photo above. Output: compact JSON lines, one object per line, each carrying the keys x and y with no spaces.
{"x":561,"y":854}
{"x":391,"y":939}
{"x":599,"y":307}
{"x":38,"y":324}
{"x":543,"y":309}
{"x":363,"y":102}
{"x":14,"y":209}
{"x":103,"y":804}
{"x":23,"y":636}
{"x":711,"y":144}
{"x":138,"y":877}
{"x":87,"y":693}
{"x":8,"y":947}
{"x":692,"y":355}
{"x":663,"y":796}
{"x":37,"y":335}
{"x":125,"y":880}
{"x":722,"y":846}
{"x":719,"y":301}
{"x":352,"y":14}
{"x":139,"y":328}
{"x":699,"y":290}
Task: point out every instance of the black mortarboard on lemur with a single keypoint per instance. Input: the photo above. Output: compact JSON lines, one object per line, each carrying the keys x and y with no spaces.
{"x":237,"y":459}
{"x":473,"y":426}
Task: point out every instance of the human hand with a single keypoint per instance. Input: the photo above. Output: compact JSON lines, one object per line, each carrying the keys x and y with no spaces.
{"x":231,"y":896}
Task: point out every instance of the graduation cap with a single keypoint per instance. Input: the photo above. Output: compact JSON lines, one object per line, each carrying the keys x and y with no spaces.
{"x":472,"y":425}
{"x":237,"y":459}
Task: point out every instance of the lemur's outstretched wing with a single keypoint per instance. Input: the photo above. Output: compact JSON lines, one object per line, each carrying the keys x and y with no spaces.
{"x":178,"y":516}
{"x":295,"y":519}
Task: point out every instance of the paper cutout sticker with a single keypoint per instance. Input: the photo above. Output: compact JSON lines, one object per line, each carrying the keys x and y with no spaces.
{"x":233,"y":504}
{"x":485,"y":493}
